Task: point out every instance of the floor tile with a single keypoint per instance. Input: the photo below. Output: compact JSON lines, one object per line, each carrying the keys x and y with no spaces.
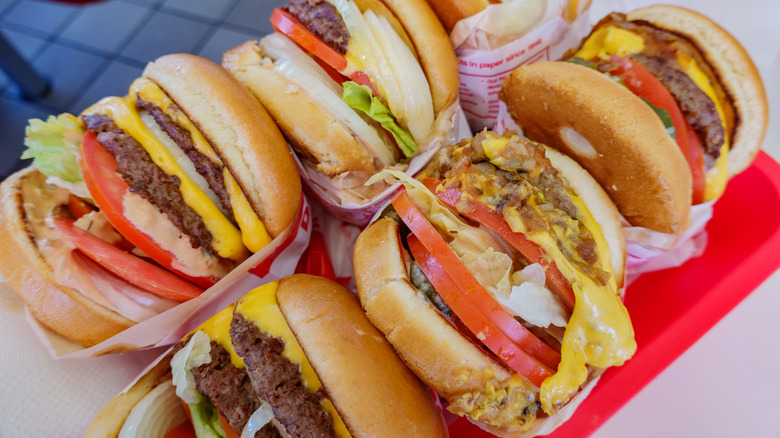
{"x":27,"y":45}
{"x":14,"y":118}
{"x":150,"y":3}
{"x":69,"y":71}
{"x":223,"y":40}
{"x":210,"y":10}
{"x":254,"y":15}
{"x":105,"y":26}
{"x":113,"y":81}
{"x":43,"y":16}
{"x":163,"y":34}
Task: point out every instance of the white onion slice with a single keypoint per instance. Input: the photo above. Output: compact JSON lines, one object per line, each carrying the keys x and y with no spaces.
{"x":262,"y":416}
{"x":156,"y":413}
{"x":277,"y":46}
{"x":322,"y":92}
{"x":414,"y":106}
{"x":129,"y":300}
{"x":181,"y":159}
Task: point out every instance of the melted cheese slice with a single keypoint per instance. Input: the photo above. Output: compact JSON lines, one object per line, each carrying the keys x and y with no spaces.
{"x":261,"y":308}
{"x":610,"y":41}
{"x":253,"y":233}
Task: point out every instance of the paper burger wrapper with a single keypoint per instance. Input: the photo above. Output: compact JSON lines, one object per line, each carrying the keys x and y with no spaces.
{"x":492,"y":43}
{"x":277,"y":260}
{"x":345,"y":195}
{"x":647,"y":250}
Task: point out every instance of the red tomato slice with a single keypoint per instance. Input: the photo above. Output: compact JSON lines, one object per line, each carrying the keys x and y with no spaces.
{"x":108,"y":189}
{"x":141,"y":273}
{"x":641,"y":82}
{"x":482,"y":327}
{"x":286,"y":24}
{"x":479,"y":212}
{"x":78,"y":207}
{"x":182,"y":430}
{"x":226,"y":426}
{"x":468,"y":285}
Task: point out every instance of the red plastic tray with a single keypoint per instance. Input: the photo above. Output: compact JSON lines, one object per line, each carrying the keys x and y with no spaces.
{"x":672,"y":309}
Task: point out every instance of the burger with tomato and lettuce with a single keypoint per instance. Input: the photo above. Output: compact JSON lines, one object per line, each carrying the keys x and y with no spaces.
{"x":355,"y":86}
{"x":496,"y":278}
{"x":695,"y":81}
{"x":144,"y":200}
{"x":294,"y":358}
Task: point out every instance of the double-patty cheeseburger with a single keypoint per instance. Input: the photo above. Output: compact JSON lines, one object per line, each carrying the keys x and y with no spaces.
{"x":290,"y":359}
{"x":144,"y":200}
{"x":497,"y":282}
{"x":355,"y":86}
{"x":697,"y":83}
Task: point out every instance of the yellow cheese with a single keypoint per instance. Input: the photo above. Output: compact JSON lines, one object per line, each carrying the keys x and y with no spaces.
{"x":718,"y":175}
{"x":226,"y":237}
{"x":260,"y":307}
{"x":611,"y":41}
{"x":253,"y":232}
{"x":217,"y":328}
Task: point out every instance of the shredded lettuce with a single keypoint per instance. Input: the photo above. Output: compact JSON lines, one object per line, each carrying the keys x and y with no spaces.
{"x":665,"y":118}
{"x":360,"y":98}
{"x":54,"y":146}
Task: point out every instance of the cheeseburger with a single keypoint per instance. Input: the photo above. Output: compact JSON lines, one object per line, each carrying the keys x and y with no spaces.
{"x":695,"y":78}
{"x":144,"y":200}
{"x":289,"y":359}
{"x":497,"y":281}
{"x":355,"y":86}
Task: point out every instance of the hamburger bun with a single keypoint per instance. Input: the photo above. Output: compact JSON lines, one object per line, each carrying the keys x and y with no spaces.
{"x":616,"y":137}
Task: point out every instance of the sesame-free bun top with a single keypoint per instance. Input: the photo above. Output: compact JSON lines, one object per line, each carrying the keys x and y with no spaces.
{"x":616,"y":137}
{"x":371,"y":388}
{"x":239,"y":130}
{"x":735,"y":70}
{"x":452,"y":11}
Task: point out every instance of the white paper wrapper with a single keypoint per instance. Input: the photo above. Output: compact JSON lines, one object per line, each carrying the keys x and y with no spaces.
{"x":357,"y":208}
{"x":485,"y":60}
{"x":276,"y":260}
{"x":647,"y":250}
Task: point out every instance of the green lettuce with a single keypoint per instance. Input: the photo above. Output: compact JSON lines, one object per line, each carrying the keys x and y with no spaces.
{"x":205,"y":419}
{"x":665,"y":118}
{"x":360,"y":98}
{"x":54,"y":146}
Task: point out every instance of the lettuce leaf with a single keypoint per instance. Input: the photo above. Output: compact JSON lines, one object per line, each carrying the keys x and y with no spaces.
{"x":360,"y":98}
{"x":54,"y":146}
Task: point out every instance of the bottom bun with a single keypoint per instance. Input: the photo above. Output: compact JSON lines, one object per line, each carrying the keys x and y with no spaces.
{"x":62,"y":309}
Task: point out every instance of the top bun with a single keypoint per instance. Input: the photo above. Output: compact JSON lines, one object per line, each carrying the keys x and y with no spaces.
{"x":616,"y":137}
{"x":373,"y":391}
{"x":239,"y":129}
{"x":734,"y":68}
{"x":452,"y":11}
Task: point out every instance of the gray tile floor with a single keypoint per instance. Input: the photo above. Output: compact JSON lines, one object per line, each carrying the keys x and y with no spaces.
{"x":96,"y":50}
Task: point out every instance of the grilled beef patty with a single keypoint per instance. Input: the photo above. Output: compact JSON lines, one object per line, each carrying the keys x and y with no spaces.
{"x":210,"y":170}
{"x":230,"y":390}
{"x":323,"y":20}
{"x":279,"y":382}
{"x":146,"y":179}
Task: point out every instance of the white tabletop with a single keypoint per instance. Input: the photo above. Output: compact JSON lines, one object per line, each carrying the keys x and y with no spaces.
{"x":726,"y":385}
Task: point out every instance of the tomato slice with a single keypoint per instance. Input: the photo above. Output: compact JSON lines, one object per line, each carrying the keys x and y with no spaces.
{"x":479,"y":212}
{"x":482,"y":327}
{"x":108,"y":190}
{"x":141,"y":273}
{"x":284,"y":23}
{"x":229,"y":432}
{"x":182,"y":430}
{"x":641,"y":82}
{"x":468,"y":285}
{"x":78,"y":207}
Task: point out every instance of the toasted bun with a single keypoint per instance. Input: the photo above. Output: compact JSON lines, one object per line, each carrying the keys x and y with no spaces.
{"x":600,"y":206}
{"x":62,"y":309}
{"x":112,"y":416}
{"x":317,"y":136}
{"x":616,"y":137}
{"x":734,"y":68}
{"x":374,"y":393}
{"x":239,"y":129}
{"x":452,"y":11}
